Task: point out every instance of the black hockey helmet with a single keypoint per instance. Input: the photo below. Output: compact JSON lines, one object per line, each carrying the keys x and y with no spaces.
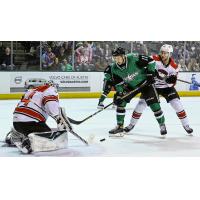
{"x":118,"y":51}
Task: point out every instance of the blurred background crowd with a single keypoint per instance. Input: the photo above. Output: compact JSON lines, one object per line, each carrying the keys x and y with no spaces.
{"x":68,"y":56}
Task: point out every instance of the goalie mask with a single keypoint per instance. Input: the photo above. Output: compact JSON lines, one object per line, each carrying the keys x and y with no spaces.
{"x":52,"y":83}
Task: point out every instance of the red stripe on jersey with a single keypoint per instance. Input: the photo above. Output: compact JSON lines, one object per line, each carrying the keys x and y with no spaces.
{"x":49,"y":98}
{"x":173,"y":64}
{"x":30,"y":113}
{"x":26,"y":101}
{"x":136,"y":115}
{"x":31,"y":95}
{"x":181,"y":114}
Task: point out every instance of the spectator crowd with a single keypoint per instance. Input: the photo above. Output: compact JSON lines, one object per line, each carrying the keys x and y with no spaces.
{"x":67,"y":56}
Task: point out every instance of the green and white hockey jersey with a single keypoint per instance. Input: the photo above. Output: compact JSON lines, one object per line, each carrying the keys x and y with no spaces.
{"x":131,"y":74}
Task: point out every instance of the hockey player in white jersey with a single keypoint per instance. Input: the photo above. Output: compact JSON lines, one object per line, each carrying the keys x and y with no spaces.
{"x":30,"y":132}
{"x":167,"y":72}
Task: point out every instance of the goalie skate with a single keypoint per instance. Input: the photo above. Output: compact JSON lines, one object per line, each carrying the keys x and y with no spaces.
{"x":8,"y":140}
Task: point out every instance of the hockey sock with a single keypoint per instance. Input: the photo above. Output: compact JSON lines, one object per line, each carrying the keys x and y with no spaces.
{"x":102,"y":98}
{"x":120,"y":115}
{"x":178,"y":107}
{"x":140,"y":107}
{"x":158,"y":113}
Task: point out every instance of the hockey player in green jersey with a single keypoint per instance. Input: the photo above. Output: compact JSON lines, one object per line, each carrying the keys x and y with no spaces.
{"x":135,"y":71}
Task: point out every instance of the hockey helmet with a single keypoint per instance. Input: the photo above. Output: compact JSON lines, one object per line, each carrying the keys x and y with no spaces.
{"x":118,"y":51}
{"x":167,"y":48}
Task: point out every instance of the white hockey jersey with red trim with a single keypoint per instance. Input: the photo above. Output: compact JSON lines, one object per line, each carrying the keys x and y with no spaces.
{"x":37,"y":104}
{"x":163,"y":70}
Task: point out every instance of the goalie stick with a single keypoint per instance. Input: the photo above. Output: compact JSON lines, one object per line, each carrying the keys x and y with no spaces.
{"x":65,"y":119}
{"x":125,"y":96}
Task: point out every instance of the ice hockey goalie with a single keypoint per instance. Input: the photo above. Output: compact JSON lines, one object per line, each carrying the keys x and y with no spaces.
{"x":30,"y":132}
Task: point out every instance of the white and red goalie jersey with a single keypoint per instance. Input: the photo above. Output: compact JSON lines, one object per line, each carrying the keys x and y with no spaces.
{"x":37,"y":104}
{"x":164,"y":71}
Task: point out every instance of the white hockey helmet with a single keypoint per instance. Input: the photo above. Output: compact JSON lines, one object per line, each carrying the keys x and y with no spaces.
{"x":167,"y":48}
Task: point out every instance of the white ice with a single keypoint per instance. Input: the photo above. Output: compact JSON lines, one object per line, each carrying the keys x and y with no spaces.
{"x":145,"y":139}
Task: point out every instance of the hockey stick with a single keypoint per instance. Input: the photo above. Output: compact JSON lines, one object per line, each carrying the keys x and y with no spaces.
{"x":79,"y":122}
{"x":125,"y":96}
{"x":188,"y":82}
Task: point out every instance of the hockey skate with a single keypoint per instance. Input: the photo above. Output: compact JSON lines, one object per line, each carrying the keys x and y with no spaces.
{"x":8,"y":140}
{"x":188,"y":129}
{"x":100,"y":106}
{"x":118,"y":131}
{"x":128,"y":128}
{"x":163,"y":130}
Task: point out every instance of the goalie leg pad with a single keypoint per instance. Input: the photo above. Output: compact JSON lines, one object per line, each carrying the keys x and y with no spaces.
{"x":48,"y":141}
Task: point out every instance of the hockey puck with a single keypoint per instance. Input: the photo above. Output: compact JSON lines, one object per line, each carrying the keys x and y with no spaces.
{"x":103,"y":139}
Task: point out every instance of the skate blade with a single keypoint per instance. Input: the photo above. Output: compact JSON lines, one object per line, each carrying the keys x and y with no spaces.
{"x":100,"y":108}
{"x":128,"y":133}
{"x":117,"y":135}
{"x":163,"y":136}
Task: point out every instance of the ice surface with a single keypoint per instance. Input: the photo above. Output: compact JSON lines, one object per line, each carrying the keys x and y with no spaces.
{"x":145,"y":139}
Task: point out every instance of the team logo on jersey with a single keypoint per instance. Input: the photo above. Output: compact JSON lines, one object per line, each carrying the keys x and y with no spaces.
{"x":130,"y":77}
{"x":162,"y":73}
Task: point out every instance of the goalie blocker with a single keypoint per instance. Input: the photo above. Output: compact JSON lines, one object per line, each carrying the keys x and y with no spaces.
{"x":31,"y":137}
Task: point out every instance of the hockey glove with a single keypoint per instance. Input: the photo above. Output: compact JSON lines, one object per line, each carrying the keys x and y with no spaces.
{"x":61,"y":124}
{"x":118,"y":98}
{"x":143,"y":61}
{"x":171,"y":79}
